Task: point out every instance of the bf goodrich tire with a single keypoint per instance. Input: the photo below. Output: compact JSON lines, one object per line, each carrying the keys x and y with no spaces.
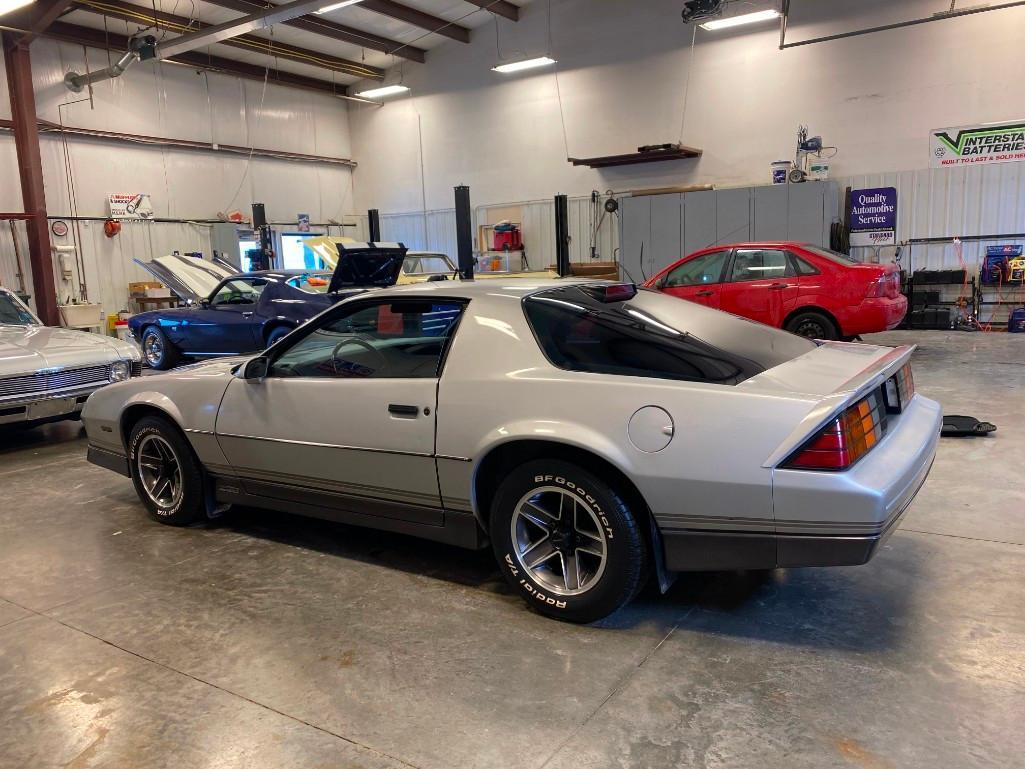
{"x":167,"y":476}
{"x":566,"y":541}
{"x":813,"y":325}
{"x":158,"y":351}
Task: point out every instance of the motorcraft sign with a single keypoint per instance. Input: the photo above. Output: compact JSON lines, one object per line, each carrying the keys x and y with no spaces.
{"x":873,"y":216}
{"x":130,"y":205}
{"x":965,"y":145}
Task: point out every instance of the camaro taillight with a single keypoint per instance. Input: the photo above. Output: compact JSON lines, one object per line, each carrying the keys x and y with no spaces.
{"x":885,"y":285}
{"x":900,"y":389}
{"x":845,"y":439}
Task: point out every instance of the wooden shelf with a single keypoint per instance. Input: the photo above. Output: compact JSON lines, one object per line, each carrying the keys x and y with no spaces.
{"x":635,"y":158}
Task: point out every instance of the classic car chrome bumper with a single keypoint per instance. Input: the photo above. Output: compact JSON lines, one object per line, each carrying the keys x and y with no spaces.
{"x":54,"y":404}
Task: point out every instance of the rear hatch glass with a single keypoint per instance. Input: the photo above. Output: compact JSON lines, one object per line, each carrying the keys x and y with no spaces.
{"x":654,"y":335}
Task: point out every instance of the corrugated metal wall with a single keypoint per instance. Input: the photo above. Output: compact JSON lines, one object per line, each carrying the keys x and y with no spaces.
{"x":949,"y":202}
{"x":538,"y":227}
{"x":176,"y":102}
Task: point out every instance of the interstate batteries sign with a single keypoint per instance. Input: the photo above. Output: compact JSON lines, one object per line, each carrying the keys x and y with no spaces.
{"x":966,"y":145}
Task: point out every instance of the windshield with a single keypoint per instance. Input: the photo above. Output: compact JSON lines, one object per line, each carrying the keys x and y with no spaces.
{"x":427,"y":264}
{"x":834,"y":256}
{"x":14,"y":313}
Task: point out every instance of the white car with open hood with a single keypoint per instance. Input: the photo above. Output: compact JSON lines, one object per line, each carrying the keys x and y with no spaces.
{"x":591,"y":432}
{"x":46,"y":373}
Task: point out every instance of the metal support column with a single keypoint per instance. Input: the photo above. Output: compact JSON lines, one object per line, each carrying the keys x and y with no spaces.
{"x":30,"y":169}
{"x":562,"y":236}
{"x":266,"y":258}
{"x":464,"y":232}
{"x":374,"y":219}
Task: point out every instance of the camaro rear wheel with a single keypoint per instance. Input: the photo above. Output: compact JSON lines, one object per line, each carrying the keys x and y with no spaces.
{"x":813,"y":325}
{"x":167,"y":476}
{"x":566,"y":541}
{"x":160,"y":354}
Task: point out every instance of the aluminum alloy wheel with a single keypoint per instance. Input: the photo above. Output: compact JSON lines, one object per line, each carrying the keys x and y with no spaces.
{"x":559,"y":540}
{"x":153,"y":349}
{"x":159,"y":470}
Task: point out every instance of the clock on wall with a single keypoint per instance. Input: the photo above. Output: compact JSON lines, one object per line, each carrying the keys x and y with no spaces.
{"x":59,"y":228}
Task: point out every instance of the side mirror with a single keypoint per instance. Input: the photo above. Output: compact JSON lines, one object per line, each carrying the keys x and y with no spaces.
{"x":254,"y":369}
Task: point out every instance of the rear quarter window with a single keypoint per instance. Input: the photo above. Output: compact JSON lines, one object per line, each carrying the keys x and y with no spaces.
{"x":578,"y":332}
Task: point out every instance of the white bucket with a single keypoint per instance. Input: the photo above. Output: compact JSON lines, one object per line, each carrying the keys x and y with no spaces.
{"x":780,"y":169}
{"x":818,"y":169}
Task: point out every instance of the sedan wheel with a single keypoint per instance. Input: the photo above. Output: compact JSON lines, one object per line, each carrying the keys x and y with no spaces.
{"x":566,"y":541}
{"x":812,"y":325}
{"x":167,"y":476}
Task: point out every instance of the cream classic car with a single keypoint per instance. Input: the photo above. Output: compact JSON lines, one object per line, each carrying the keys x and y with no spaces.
{"x":46,"y":374}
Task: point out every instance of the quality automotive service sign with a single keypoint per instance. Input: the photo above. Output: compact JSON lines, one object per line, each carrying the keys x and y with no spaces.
{"x":964,"y":145}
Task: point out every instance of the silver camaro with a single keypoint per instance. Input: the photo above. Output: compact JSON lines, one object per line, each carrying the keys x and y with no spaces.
{"x":593,"y":434}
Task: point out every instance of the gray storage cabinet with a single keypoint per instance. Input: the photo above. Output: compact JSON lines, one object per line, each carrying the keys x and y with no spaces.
{"x":656,"y":230}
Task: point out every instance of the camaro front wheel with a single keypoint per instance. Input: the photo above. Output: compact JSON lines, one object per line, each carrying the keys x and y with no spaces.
{"x":566,"y":541}
{"x":167,"y":476}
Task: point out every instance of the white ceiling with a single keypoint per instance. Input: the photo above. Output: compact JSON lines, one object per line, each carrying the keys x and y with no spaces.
{"x":465,"y":13}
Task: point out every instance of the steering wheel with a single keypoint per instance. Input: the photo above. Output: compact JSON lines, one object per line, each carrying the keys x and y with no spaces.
{"x":361,"y":342}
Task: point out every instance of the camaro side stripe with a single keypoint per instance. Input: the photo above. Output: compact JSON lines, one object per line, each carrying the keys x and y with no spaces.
{"x":326,"y":445}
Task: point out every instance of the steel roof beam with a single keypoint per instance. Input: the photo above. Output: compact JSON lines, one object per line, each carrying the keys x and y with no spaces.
{"x":321,"y":26}
{"x":163,"y":20}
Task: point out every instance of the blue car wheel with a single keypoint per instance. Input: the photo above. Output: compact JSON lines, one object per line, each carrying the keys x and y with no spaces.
{"x":277,"y":333}
{"x":159,"y":353}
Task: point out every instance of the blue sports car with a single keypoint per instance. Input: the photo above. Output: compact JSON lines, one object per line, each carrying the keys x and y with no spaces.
{"x":228,"y":312}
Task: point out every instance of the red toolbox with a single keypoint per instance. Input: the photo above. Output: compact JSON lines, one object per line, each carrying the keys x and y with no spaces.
{"x":508,"y":240}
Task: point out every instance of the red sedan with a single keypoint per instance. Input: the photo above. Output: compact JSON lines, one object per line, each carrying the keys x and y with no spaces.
{"x":802,"y":288}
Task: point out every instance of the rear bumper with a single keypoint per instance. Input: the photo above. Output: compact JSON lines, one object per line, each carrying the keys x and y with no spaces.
{"x":874,"y":315}
{"x":826,"y":518}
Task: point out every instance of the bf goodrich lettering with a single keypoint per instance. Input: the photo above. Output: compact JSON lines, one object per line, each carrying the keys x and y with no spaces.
{"x":587,"y":497}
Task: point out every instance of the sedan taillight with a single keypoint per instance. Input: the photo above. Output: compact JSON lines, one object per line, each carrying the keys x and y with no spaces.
{"x":845,"y":439}
{"x":885,"y":285}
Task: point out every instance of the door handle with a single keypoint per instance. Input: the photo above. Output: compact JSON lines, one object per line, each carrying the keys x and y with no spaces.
{"x":402,"y":410}
{"x":247,"y":314}
{"x":779,"y":286}
{"x":704,"y":293}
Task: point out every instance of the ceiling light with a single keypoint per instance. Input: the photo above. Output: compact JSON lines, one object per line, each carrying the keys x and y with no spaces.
{"x":516,"y":66}
{"x":6,"y":6}
{"x":332,"y":7}
{"x":744,"y":18}
{"x":387,"y":90}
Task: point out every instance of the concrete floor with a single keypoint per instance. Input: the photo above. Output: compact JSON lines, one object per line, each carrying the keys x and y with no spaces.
{"x":269,"y":641}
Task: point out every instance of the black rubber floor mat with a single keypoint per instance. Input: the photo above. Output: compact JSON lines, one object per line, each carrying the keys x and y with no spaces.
{"x":955,"y":426}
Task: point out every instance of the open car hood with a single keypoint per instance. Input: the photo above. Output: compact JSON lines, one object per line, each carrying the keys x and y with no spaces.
{"x":359,"y":265}
{"x":189,"y":277}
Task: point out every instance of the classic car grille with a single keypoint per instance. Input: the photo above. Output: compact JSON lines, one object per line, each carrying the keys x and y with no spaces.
{"x":44,"y":381}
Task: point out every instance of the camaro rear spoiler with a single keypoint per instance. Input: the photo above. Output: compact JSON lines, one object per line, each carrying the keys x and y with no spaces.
{"x":850,"y":391}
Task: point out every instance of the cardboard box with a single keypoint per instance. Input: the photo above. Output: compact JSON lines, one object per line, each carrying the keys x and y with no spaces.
{"x":158,"y":292}
{"x":139,"y":288}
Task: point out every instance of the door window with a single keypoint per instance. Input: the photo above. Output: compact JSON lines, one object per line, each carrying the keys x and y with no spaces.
{"x":760,"y":264}
{"x":395,"y":340}
{"x":239,"y":291}
{"x":803,"y":267}
{"x":706,"y":268}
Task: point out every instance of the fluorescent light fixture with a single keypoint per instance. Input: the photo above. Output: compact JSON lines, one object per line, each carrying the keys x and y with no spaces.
{"x":6,"y":6}
{"x":516,"y":66}
{"x":744,"y":18}
{"x":332,"y":7}
{"x":387,"y":90}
